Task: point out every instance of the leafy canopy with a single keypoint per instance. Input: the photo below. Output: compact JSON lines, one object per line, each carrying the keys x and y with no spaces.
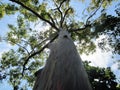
{"x":20,"y":63}
{"x":101,"y":78}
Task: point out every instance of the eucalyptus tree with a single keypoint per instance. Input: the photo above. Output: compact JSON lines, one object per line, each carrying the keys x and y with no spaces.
{"x":64,"y":69}
{"x":20,"y":63}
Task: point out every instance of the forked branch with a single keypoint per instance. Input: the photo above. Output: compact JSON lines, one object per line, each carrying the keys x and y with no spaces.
{"x":61,"y":13}
{"x":66,"y":12}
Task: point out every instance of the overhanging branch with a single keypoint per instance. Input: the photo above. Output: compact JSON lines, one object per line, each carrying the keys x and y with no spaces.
{"x":35,"y":13}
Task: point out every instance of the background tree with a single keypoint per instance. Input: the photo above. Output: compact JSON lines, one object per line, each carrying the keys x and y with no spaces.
{"x":20,"y":63}
{"x":101,"y":78}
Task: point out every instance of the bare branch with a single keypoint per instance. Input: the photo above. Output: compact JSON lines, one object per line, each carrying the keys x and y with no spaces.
{"x":35,"y":53}
{"x":35,"y":13}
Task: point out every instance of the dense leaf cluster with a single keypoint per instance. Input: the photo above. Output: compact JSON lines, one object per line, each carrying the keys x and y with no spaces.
{"x":101,"y":78}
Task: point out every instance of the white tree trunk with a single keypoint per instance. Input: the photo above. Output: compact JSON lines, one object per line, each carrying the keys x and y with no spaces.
{"x":64,"y":69}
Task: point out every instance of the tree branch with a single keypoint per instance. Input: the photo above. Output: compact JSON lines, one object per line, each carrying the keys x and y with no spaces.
{"x":51,"y":19}
{"x":93,"y":13}
{"x":87,"y":21}
{"x":40,"y":17}
{"x":59,"y":5}
{"x":58,"y":8}
{"x":65,"y":14}
{"x":20,"y":46}
{"x":41,"y":42}
{"x":61,"y":13}
{"x":79,"y":29}
{"x":35,"y":53}
{"x":36,"y":14}
{"x":24,"y":48}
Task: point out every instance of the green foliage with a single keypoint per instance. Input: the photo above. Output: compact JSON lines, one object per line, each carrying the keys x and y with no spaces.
{"x":28,"y":40}
{"x":101,"y":78}
{"x":7,"y":9}
{"x":2,"y":11}
{"x":108,"y":25}
{"x":17,"y":33}
{"x":10,"y":9}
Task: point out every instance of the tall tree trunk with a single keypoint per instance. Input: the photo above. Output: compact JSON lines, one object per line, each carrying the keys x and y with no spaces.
{"x":64,"y":69}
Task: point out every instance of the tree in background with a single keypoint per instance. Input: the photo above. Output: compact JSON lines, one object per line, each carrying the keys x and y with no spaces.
{"x":101,"y":78}
{"x":20,"y":63}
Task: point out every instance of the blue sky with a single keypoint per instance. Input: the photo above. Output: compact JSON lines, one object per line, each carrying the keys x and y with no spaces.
{"x":101,"y":59}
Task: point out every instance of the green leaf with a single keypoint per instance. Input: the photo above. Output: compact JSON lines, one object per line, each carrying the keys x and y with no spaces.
{"x":2,"y":10}
{"x":10,"y":9}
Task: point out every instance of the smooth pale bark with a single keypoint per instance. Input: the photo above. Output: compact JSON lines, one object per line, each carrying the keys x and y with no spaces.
{"x":64,"y":69}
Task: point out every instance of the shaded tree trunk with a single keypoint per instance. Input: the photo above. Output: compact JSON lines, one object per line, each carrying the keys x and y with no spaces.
{"x":64,"y":69}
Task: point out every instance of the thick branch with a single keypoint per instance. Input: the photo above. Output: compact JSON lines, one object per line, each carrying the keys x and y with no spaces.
{"x":35,"y":53}
{"x":35,"y":13}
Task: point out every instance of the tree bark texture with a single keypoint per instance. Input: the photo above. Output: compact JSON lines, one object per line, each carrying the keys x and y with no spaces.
{"x":64,"y":69}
